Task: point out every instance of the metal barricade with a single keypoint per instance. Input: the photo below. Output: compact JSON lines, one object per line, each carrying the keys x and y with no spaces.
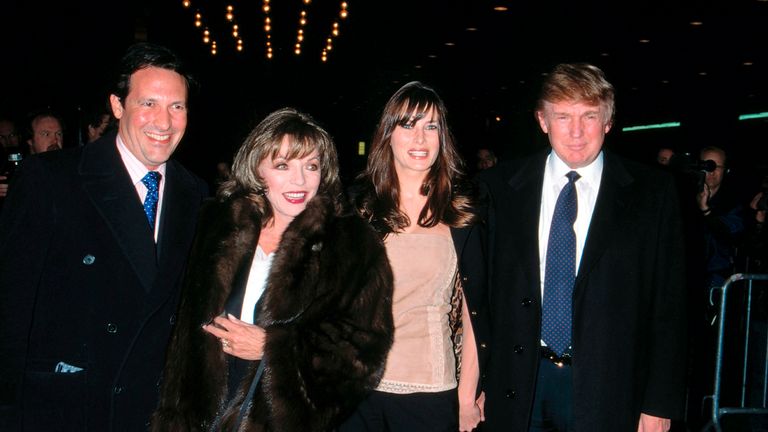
{"x":743,"y":408}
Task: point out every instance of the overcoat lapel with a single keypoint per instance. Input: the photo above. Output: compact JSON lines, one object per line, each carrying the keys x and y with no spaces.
{"x":612,"y":200}
{"x":107,"y":183}
{"x":180,"y":205}
{"x":525,"y":195}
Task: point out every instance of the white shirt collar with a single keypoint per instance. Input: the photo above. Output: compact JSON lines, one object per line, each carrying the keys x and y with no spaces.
{"x":135,"y":168}
{"x":556,"y":169}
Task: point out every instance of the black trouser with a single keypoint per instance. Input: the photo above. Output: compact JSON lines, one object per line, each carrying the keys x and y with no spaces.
{"x":381,"y":411}
{"x":553,"y":402}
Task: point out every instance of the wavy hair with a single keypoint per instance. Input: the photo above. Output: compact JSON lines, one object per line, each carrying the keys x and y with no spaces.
{"x":265,"y":140}
{"x":445,"y":203}
{"x":578,"y":82}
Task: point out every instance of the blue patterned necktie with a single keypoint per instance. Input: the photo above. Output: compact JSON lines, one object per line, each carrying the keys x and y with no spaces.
{"x":560,"y":271}
{"x":151,"y":181}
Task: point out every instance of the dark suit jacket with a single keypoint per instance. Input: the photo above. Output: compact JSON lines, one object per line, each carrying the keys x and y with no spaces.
{"x":81,"y":283}
{"x":628,"y":301}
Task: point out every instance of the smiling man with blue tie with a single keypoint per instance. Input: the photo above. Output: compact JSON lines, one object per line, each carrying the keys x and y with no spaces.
{"x":93,"y":244}
{"x":586,"y":290}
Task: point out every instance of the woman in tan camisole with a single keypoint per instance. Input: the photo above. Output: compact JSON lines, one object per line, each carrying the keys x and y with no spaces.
{"x":408,"y":194}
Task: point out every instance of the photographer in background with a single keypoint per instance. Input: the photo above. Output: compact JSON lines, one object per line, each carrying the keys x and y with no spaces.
{"x":722,"y":218}
{"x":715,"y":227}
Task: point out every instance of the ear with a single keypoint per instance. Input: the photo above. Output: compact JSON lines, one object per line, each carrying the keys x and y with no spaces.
{"x":117,"y":106}
{"x":608,"y":126}
{"x":542,"y":121}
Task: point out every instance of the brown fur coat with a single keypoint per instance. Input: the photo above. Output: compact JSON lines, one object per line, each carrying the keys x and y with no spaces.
{"x":327,"y":312}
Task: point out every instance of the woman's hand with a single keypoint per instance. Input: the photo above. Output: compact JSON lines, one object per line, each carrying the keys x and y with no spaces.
{"x":238,"y":338}
{"x":470,"y":415}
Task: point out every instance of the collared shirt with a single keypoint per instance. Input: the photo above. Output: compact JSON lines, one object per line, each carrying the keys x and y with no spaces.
{"x":257,"y":282}
{"x":586,"y":192}
{"x":137,"y":171}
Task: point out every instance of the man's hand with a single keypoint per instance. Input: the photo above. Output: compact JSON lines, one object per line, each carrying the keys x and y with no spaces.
{"x":649,"y":423}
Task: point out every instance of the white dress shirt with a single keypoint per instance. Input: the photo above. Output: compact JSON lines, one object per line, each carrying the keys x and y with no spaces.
{"x":137,"y":171}
{"x":257,"y":281}
{"x":586,"y":192}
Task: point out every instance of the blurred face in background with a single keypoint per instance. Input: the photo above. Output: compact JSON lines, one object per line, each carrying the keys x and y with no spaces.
{"x":8,"y":135}
{"x":47,"y":135}
{"x":485,"y":159}
{"x":96,"y":132}
{"x":714,"y":178}
{"x":664,"y":157}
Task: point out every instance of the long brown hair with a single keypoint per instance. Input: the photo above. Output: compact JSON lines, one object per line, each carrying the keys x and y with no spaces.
{"x":445,"y":203}
{"x":265,"y":140}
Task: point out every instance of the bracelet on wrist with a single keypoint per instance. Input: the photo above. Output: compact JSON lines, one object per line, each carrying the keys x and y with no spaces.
{"x":706,"y":212}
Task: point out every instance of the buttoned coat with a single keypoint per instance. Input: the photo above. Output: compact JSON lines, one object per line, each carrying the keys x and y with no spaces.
{"x":85,"y":290}
{"x":628,"y":301}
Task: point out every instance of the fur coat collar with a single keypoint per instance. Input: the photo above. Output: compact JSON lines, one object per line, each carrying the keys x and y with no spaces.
{"x":326,"y":310}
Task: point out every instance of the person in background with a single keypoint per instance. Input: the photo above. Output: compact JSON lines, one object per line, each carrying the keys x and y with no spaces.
{"x":9,"y":136}
{"x":412,"y":194}
{"x":716,"y":215}
{"x":283,"y":276}
{"x":722,"y":218}
{"x":586,"y":293}
{"x":223,"y":173}
{"x":485,"y":159}
{"x":46,"y":132}
{"x":96,"y":124}
{"x":93,"y":244}
{"x":664,"y":156}
{"x":9,"y":143}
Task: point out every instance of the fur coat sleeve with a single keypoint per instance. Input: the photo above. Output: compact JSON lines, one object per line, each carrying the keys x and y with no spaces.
{"x":326,"y":310}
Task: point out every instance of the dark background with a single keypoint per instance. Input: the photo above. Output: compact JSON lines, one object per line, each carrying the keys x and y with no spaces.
{"x":61,"y":55}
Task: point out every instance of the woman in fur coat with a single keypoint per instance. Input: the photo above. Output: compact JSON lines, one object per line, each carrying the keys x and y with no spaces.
{"x":279,"y":269}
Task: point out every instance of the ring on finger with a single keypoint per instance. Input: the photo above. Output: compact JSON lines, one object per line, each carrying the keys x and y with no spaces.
{"x":225,"y":343}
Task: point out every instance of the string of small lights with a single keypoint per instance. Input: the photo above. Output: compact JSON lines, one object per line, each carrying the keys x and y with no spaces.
{"x":268,"y":28}
{"x":334,"y":32}
{"x":302,"y":23}
{"x":266,"y":8}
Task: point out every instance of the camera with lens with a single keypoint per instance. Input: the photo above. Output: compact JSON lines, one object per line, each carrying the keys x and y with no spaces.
{"x":689,"y":165}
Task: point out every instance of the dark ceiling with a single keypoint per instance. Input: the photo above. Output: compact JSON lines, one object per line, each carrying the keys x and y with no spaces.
{"x":664,"y":67}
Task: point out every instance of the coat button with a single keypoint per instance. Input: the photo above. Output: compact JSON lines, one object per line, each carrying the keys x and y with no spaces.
{"x":526,"y":301}
{"x":473,"y":313}
{"x":482,"y":345}
{"x":510,"y":394}
{"x":464,"y":279}
{"x":89,"y":259}
{"x":172,"y":320}
{"x":111,"y":328}
{"x":518,"y":349}
{"x":117,"y":390}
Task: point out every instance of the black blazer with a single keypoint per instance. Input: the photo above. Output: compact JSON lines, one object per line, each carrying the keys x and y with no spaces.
{"x":82,"y":284}
{"x":628,"y":301}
